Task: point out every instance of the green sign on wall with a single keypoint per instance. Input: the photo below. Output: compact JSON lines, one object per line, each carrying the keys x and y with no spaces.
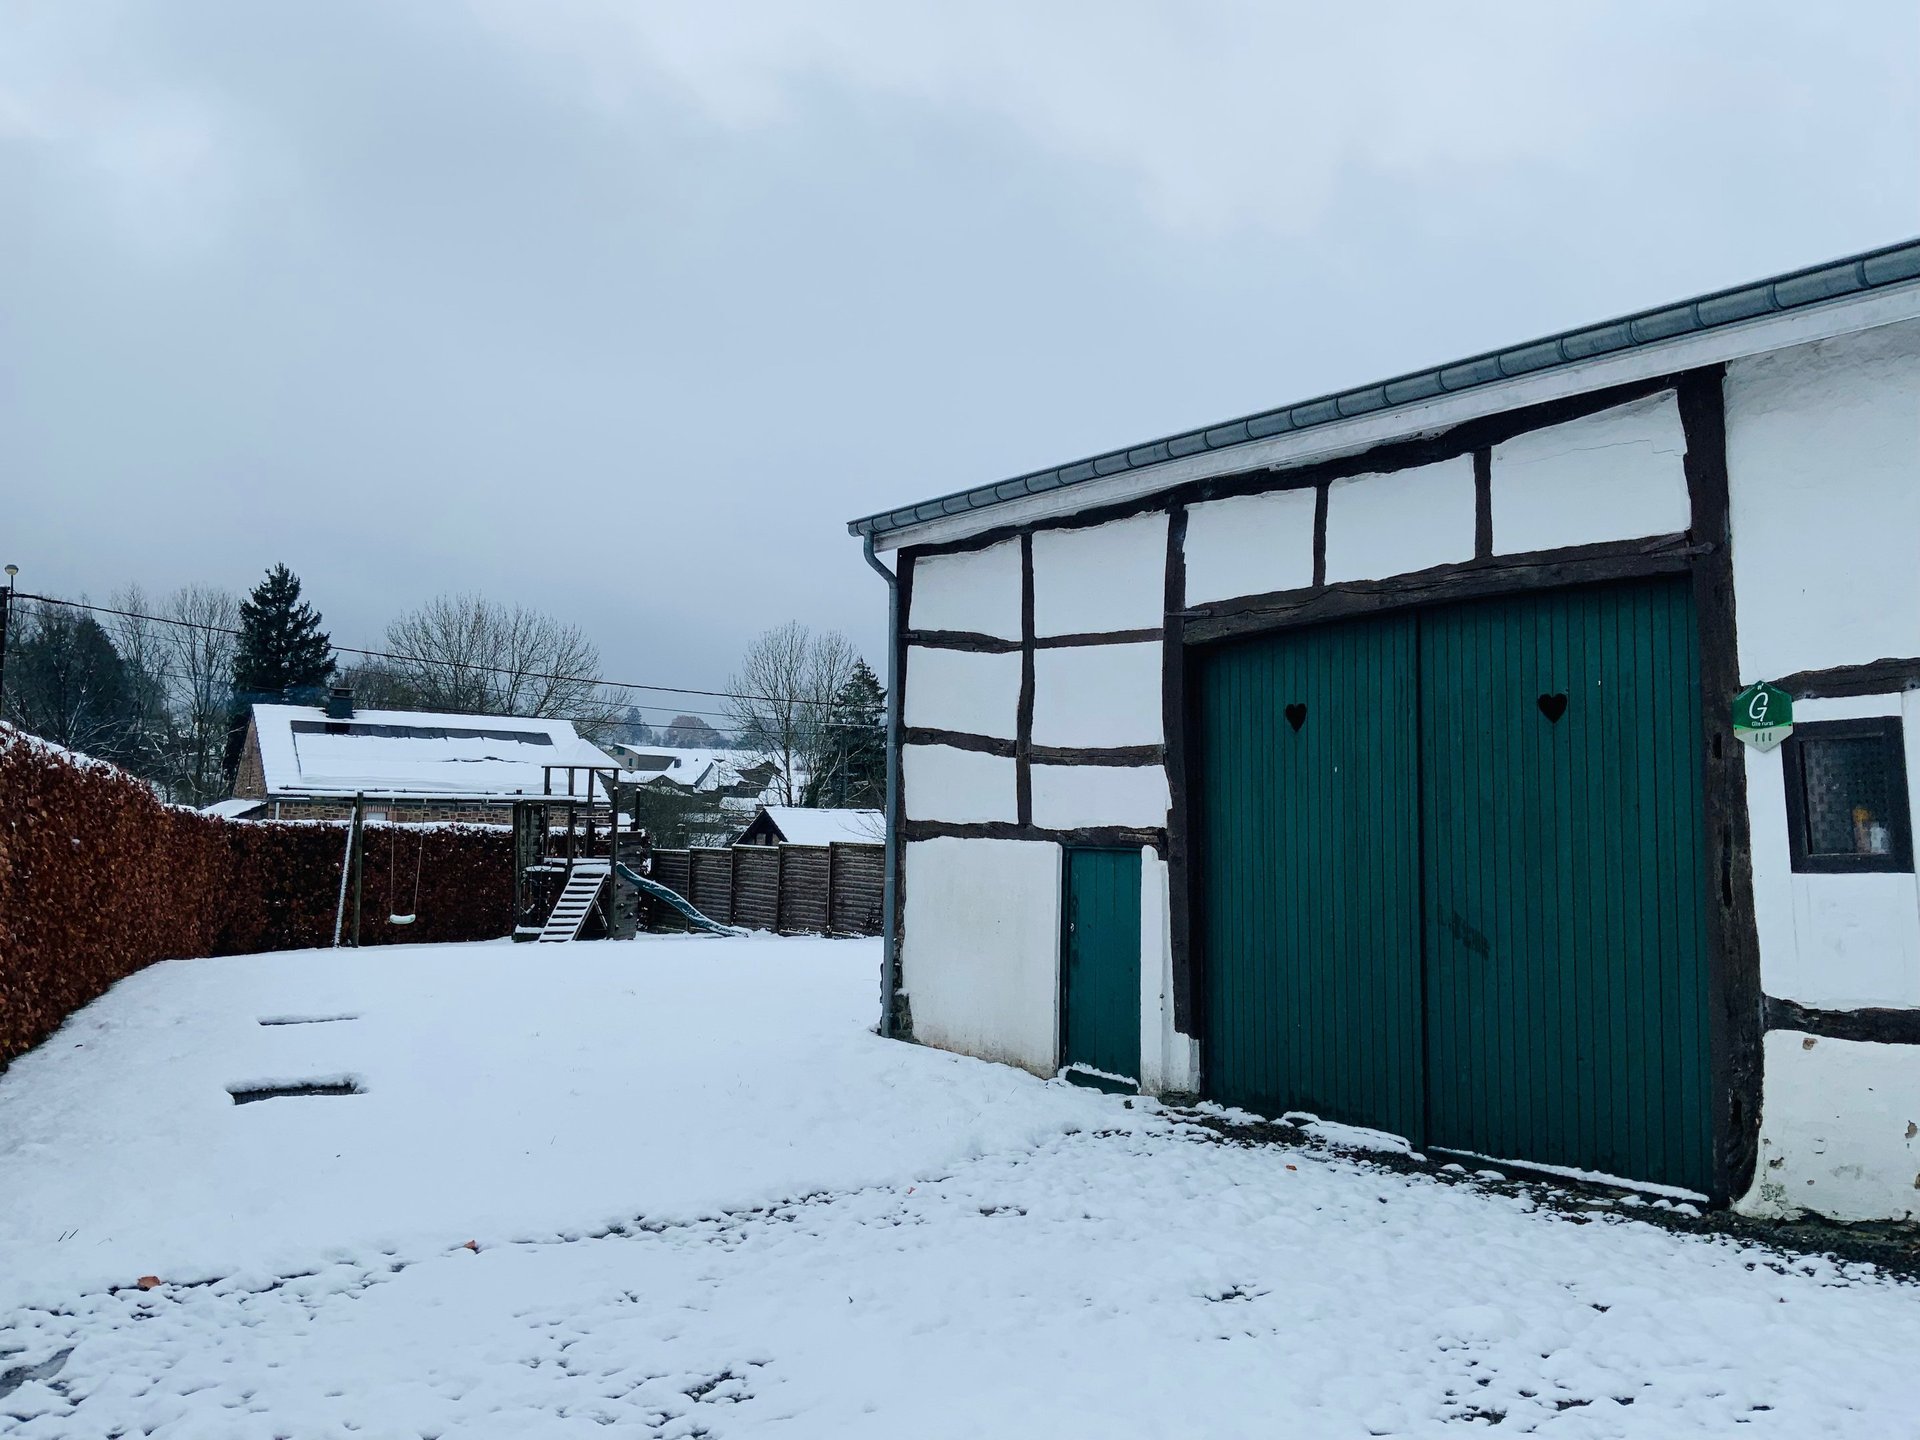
{"x":1762,"y":716}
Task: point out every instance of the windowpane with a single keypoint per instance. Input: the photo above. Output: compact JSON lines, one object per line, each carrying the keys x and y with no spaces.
{"x":1852,"y":807}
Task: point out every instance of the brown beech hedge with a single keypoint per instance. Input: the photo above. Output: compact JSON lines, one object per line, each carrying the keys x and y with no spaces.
{"x":99,"y":878}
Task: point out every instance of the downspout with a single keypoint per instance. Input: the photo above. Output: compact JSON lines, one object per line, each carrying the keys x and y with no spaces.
{"x":890,"y":894}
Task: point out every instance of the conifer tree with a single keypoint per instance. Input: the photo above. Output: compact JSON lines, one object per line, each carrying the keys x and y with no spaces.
{"x":282,"y":647}
{"x":851,"y":769}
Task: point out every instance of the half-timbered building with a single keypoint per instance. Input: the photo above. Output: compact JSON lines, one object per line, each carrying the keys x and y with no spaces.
{"x":1374,"y":756}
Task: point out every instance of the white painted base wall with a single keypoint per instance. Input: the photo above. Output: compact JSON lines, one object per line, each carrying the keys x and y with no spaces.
{"x":1169,"y":1061}
{"x":980,"y":950}
{"x":1839,"y":1130}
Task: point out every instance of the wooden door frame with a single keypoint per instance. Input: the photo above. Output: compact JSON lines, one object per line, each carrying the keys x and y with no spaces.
{"x":1701,"y":552}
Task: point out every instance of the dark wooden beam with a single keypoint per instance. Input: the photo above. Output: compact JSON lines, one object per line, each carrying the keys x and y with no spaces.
{"x":1110,"y":756}
{"x":959,"y":740}
{"x":1109,"y":836}
{"x":1483,"y":503}
{"x":1472,"y":579}
{"x":1320,"y":495}
{"x":1023,"y":724}
{"x":1733,"y":937}
{"x":1884,"y":1027}
{"x":962,"y":640}
{"x":1173,"y":718}
{"x":1095,"y":637}
{"x":1875,"y":677}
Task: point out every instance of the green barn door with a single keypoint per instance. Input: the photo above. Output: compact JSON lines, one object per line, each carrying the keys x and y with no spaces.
{"x":1100,"y":970}
{"x":1567,"y":984}
{"x":1306,"y":897}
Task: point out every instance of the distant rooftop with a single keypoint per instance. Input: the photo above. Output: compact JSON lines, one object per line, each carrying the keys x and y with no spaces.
{"x":413,"y":754}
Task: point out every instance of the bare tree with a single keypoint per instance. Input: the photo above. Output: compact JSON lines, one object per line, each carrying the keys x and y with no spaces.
{"x":783,"y":699}
{"x":141,"y":646}
{"x":468,"y":655}
{"x":197,"y":658}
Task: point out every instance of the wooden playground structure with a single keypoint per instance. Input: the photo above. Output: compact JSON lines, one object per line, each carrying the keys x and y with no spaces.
{"x":582,"y":862}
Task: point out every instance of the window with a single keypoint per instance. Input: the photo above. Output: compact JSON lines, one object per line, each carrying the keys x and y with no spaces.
{"x":1847,"y":797}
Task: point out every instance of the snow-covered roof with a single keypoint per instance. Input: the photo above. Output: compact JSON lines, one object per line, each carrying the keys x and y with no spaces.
{"x":232,"y":809}
{"x":828,"y":827}
{"x":414,"y":753}
{"x":695,"y":769}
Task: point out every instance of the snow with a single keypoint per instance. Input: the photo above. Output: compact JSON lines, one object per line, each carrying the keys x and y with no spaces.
{"x":470,"y":756}
{"x":802,"y":826}
{"x":233,"y":809}
{"x":706,"y":1200}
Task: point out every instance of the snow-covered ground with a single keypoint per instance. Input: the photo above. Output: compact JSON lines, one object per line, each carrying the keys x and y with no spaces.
{"x":707,"y":1202}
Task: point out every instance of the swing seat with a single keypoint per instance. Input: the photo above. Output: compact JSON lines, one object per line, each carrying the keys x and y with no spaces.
{"x":400,"y":919}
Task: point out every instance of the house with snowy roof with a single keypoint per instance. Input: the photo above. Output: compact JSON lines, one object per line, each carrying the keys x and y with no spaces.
{"x":311,"y":762}
{"x":797,"y":825}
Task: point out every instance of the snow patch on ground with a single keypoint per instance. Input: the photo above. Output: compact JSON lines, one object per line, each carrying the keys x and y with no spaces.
{"x":705,"y":1200}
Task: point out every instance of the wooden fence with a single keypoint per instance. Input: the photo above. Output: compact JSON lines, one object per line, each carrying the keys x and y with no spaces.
{"x":789,"y":889}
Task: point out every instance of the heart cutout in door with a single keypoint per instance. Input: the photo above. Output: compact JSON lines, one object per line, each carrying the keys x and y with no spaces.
{"x":1296,"y":716}
{"x":1553,"y":706}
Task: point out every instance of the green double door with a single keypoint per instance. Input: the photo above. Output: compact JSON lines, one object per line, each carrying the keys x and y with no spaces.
{"x":1448,"y":878}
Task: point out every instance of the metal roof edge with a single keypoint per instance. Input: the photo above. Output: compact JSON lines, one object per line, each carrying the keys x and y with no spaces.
{"x":1858,"y":274}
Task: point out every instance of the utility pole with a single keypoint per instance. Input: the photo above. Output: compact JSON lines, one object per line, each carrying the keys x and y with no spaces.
{"x":6,"y":620}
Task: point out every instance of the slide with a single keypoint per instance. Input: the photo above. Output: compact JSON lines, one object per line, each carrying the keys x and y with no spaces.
{"x":668,"y":897}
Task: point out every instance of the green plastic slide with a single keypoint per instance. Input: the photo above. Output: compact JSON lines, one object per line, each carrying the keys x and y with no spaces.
{"x":676,"y":901}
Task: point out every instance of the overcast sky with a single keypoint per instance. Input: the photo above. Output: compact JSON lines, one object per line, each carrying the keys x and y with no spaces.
{"x":622,"y":308}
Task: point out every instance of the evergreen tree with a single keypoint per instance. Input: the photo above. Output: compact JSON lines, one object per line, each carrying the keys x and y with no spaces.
{"x":66,"y":683}
{"x":851,"y":769}
{"x":282,"y":647}
{"x":282,"y":651}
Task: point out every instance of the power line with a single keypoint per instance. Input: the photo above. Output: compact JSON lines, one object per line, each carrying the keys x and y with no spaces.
{"x":455,"y":664}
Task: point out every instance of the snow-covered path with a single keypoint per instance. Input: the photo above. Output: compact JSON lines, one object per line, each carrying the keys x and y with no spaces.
{"x":706,"y":1201}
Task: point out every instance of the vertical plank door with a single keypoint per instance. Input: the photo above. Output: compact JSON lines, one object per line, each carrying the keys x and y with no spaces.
{"x":1100,"y":969}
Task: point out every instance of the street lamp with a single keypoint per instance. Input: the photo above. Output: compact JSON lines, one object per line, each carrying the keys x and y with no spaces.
{"x":6,"y":616}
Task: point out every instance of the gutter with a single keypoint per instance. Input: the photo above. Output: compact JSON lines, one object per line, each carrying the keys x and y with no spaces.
{"x":1797,"y":290}
{"x":890,"y":886}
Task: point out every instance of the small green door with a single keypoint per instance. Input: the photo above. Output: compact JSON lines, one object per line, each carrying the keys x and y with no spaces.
{"x":1307,"y":898}
{"x":1567,"y":985}
{"x":1100,"y":969}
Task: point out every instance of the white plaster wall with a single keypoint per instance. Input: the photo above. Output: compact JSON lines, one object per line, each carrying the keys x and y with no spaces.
{"x":1823,"y":460}
{"x":963,"y":690}
{"x":976,"y":590}
{"x":1249,"y":545}
{"x":1105,"y":577}
{"x":1090,"y":695}
{"x":1839,"y":1121}
{"x":958,"y":786}
{"x":1382,"y":525}
{"x":1067,"y":797}
{"x":1616,"y":475}
{"x":1834,"y":942}
{"x":980,"y":948}
{"x":1169,"y":1061}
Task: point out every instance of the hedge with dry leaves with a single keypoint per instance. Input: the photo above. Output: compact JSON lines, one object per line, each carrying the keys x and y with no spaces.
{"x":99,"y":878}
